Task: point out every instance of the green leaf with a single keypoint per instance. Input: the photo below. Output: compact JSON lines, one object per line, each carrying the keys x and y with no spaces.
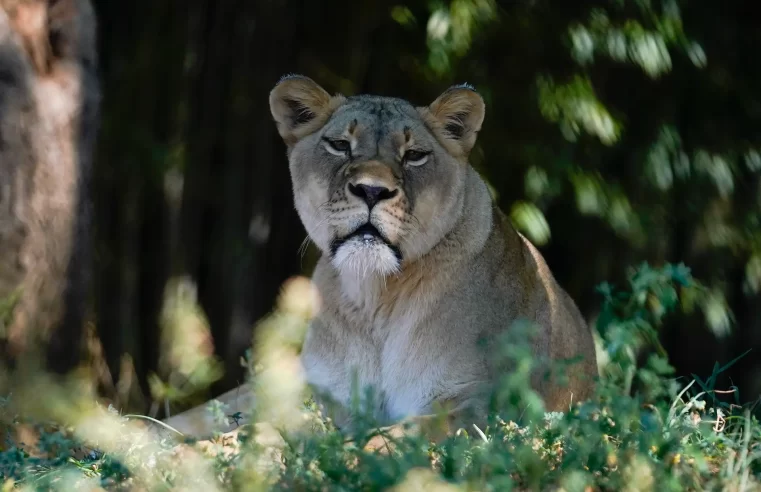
{"x":530,"y":220}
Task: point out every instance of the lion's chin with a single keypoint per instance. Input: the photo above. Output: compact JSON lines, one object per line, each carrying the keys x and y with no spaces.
{"x":366,"y":257}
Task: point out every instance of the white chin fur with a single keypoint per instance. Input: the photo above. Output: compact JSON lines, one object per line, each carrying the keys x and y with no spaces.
{"x":358,"y":257}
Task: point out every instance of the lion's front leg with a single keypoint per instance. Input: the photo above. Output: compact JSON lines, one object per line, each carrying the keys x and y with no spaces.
{"x":199,"y":423}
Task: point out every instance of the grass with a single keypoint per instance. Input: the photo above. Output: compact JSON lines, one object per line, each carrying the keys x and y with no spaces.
{"x":643,"y":430}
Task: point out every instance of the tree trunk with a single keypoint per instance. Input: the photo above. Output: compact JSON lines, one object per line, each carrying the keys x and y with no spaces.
{"x":49,"y":101}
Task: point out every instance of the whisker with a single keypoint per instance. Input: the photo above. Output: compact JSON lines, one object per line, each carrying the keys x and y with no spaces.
{"x":305,"y":243}
{"x":303,"y":247}
{"x":417,"y":221}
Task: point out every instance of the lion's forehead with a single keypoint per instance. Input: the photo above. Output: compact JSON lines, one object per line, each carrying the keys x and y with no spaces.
{"x":375,"y":116}
{"x":382,"y":107}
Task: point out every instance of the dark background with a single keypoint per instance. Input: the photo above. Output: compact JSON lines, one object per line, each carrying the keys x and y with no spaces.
{"x":616,"y":132}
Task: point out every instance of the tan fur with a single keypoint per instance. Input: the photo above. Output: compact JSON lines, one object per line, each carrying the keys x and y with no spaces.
{"x":310,"y":98}
{"x":411,"y":332}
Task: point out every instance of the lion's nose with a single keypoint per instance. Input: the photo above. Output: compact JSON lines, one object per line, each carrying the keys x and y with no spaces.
{"x":371,"y":194}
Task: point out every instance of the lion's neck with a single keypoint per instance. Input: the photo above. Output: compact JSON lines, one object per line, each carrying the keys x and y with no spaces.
{"x":422,"y":282}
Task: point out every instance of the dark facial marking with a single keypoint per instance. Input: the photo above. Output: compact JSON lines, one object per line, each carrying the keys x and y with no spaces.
{"x":301,"y":114}
{"x":456,"y":128}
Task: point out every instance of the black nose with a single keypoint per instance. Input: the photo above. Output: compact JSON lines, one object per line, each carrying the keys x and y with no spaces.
{"x":371,"y":194}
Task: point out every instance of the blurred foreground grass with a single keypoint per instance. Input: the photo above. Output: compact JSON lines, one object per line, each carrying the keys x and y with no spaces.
{"x":643,"y":430}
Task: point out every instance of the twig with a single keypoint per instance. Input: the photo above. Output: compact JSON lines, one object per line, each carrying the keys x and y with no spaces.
{"x":145,"y":417}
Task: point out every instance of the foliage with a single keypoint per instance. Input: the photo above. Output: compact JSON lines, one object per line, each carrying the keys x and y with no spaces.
{"x":616,"y":132}
{"x":624,"y":127}
{"x":661,"y":437}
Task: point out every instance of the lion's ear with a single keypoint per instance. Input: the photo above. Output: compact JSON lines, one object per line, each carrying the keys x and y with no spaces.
{"x":456,"y":116}
{"x":300,"y":107}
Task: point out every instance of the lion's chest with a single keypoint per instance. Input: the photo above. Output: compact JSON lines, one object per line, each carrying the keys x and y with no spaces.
{"x":404,"y":368}
{"x":407,"y":376}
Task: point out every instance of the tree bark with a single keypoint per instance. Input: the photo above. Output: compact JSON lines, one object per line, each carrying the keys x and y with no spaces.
{"x":49,"y":106}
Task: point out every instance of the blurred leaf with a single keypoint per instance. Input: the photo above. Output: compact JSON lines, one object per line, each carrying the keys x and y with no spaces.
{"x":650,"y":52}
{"x":753,"y":274}
{"x":531,"y":221}
{"x":402,"y":15}
{"x":575,"y":105}
{"x":536,"y":182}
{"x":590,"y":198}
{"x":717,"y":313}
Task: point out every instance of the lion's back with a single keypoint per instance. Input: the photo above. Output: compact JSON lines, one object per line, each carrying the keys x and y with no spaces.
{"x":512,"y":282}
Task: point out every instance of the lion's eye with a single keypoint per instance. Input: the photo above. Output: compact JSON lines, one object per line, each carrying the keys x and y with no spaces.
{"x":340,"y":147}
{"x":415,"y":157}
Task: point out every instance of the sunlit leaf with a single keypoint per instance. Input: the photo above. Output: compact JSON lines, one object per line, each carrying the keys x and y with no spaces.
{"x":590,"y":198}
{"x":536,"y":182}
{"x":718,"y":169}
{"x":583,"y":45}
{"x":620,"y":214}
{"x":659,"y":168}
{"x":575,"y":105}
{"x":717,"y":313}
{"x":439,"y":24}
{"x":753,"y":160}
{"x":753,"y":274}
{"x":402,"y":15}
{"x":531,"y":221}
{"x":697,"y":55}
{"x":650,"y":52}
{"x":616,"y":44}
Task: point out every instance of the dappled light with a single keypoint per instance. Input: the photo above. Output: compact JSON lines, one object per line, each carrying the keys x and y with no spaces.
{"x":164,"y":255}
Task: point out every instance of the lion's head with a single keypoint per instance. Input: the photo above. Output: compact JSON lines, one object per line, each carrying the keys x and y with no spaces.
{"x":376,"y":180}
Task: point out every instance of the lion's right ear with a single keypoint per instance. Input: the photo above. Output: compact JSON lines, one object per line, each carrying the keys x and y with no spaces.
{"x":300,"y":107}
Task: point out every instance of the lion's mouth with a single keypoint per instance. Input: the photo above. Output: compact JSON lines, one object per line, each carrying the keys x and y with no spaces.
{"x":367,"y":234}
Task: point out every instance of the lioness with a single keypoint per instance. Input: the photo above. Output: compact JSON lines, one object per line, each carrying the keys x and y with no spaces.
{"x":418,"y":266}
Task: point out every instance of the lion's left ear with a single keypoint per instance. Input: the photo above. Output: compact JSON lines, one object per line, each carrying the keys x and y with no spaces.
{"x":456,"y":116}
